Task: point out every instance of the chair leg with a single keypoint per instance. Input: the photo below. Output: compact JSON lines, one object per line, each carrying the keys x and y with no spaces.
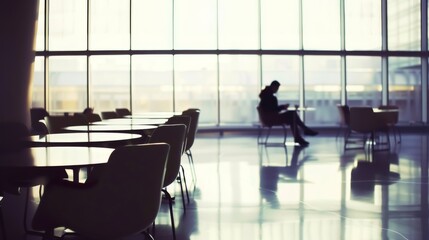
{"x":268,"y":135}
{"x":170,"y":204}
{"x":184,"y":181}
{"x":148,"y":235}
{"x":284,"y":134}
{"x":179,"y":179}
{"x":191,"y":164}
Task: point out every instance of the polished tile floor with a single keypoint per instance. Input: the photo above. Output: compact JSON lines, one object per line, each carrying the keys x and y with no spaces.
{"x":248,"y":191}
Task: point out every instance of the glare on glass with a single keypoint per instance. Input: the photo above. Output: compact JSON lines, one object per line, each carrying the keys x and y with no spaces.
{"x":152,"y":24}
{"x":405,"y":87}
{"x":321,"y":24}
{"x":195,"y":25}
{"x":195,"y":85}
{"x":363,"y":18}
{"x":67,"y":25}
{"x":238,"y":24}
{"x":239,"y":86}
{"x":280,"y":24}
{"x":109,"y":82}
{"x":152,"y":81}
{"x":109,"y":26}
{"x":322,"y":88}
{"x":67,"y":84}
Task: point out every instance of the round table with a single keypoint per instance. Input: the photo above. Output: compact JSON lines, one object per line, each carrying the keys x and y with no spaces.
{"x":139,"y":129}
{"x":153,"y":115}
{"x":94,"y":139}
{"x":131,"y":121}
{"x":55,"y":156}
{"x":34,"y":159}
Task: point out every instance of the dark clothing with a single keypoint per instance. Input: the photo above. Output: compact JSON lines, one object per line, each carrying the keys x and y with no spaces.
{"x":271,"y":110}
{"x":269,"y":102}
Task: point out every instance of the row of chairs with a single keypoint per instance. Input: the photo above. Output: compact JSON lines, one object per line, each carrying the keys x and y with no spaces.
{"x":82,"y":206}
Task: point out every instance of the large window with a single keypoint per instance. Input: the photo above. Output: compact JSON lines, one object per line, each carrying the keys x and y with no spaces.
{"x":217,"y":55}
{"x":67,"y":84}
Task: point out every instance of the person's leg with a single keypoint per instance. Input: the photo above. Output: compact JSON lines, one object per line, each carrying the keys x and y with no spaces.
{"x":291,"y":118}
{"x":307,"y":131}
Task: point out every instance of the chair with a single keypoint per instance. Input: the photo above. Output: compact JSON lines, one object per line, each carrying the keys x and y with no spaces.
{"x":181,"y":119}
{"x":174,"y":135}
{"x":268,"y":120}
{"x":392,"y":118}
{"x":56,"y":124}
{"x":12,"y":180}
{"x":122,"y":112}
{"x":124,"y":199}
{"x":349,"y":136}
{"x":194,"y":114}
{"x":89,"y":117}
{"x":37,"y":115}
{"x":109,"y":115}
{"x":364,"y":121}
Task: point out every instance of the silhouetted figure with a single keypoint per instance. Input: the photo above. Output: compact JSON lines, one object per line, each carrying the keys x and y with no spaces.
{"x":272,"y":110}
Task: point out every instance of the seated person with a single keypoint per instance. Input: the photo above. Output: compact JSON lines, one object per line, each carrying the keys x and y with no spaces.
{"x":269,"y":105}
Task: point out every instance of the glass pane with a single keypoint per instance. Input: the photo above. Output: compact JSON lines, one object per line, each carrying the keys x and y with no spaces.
{"x":238,"y":25}
{"x":196,"y":85}
{"x":147,"y":35}
{"x":109,"y":24}
{"x":109,"y":82}
{"x":404,"y":24}
{"x":405,"y":87}
{"x":322,"y":89}
{"x":321,"y":19}
{"x":364,"y":81}
{"x":40,"y":34}
{"x":284,"y":69}
{"x":280,"y":24}
{"x":67,"y":25}
{"x":67,"y":84}
{"x":239,"y":86}
{"x":152,"y":81}
{"x":363,"y":18}
{"x":195,"y":24}
{"x":38,"y":87}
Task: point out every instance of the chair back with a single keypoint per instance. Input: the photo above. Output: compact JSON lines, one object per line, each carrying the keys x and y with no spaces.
{"x":194,"y":113}
{"x":344,"y":112}
{"x":392,"y":116}
{"x":173,"y":135}
{"x":122,"y":112}
{"x":109,"y":115}
{"x":363,"y":120}
{"x":56,"y":124}
{"x":181,"y":119}
{"x":268,"y":119}
{"x":37,"y":114}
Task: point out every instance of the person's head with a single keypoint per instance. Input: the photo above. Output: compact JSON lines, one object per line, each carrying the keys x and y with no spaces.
{"x":275,"y":86}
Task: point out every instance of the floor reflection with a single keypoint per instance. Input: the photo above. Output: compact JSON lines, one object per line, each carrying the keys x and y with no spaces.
{"x":250,"y":191}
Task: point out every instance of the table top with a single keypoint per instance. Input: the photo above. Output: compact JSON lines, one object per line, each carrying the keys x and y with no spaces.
{"x":55,"y":156}
{"x":84,"y":138}
{"x":155,"y":115}
{"x":378,"y":110}
{"x":131,"y":121}
{"x":110,"y":128}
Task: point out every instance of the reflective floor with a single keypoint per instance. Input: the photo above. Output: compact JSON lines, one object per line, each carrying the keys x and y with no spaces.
{"x":248,"y":191}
